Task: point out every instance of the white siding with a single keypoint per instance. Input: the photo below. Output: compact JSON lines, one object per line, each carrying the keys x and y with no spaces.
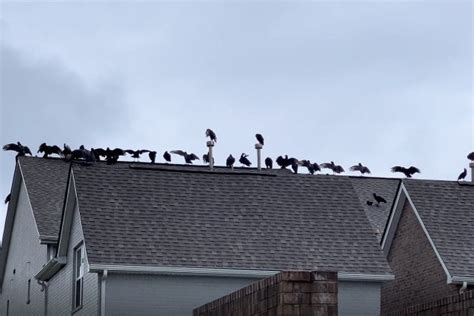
{"x":61,"y":285}
{"x":26,"y":256}
{"x":136,"y":294}
{"x":358,"y":298}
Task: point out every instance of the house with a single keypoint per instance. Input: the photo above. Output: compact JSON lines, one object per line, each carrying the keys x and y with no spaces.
{"x":429,"y":242}
{"x":161,"y":239}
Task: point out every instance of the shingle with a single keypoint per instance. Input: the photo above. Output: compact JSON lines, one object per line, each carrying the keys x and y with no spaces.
{"x":190,"y":217}
{"x":45,"y":181}
{"x":447,"y":211}
{"x":385,"y":187}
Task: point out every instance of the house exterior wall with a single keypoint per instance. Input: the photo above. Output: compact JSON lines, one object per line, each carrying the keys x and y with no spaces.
{"x":160,"y":295}
{"x":359,"y":298}
{"x":26,"y":256}
{"x":60,"y":289}
{"x":419,"y":276}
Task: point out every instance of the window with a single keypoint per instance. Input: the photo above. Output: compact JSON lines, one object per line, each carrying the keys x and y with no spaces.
{"x":78,"y":276}
{"x":29,"y":292}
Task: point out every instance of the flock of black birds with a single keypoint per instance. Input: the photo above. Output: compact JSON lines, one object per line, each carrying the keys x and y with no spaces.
{"x":111,"y":156}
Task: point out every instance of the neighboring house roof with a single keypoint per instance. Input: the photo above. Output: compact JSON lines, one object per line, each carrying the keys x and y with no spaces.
{"x":179,"y":216}
{"x":45,"y":180}
{"x":384,"y":187}
{"x":446,"y":211}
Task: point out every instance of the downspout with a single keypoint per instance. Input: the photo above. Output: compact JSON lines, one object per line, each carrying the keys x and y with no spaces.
{"x":103,"y":282}
{"x":463,"y":288}
{"x":44,"y":288}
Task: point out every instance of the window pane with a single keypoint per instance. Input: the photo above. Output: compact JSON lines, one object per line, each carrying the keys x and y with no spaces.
{"x":78,"y":294}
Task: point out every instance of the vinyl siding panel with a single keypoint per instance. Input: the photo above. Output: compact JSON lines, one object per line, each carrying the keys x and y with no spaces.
{"x":26,"y":256}
{"x":134,"y":294}
{"x":359,"y":298}
{"x":61,"y":285}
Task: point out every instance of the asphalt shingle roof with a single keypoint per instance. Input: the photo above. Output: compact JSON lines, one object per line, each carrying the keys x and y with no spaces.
{"x":45,"y":181}
{"x":190,"y":217}
{"x":384,"y":187}
{"x":447,"y":210}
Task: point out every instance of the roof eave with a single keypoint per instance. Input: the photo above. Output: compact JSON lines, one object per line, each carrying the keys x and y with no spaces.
{"x":51,"y":268}
{"x":461,"y":279}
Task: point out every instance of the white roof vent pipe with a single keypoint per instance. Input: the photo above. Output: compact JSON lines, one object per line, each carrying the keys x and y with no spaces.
{"x":259,"y":147}
{"x":471,"y":164}
{"x":210,"y":144}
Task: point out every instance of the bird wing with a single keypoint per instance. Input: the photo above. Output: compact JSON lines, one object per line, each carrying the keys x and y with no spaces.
{"x":130,"y":151}
{"x":413,"y":170}
{"x":178,"y":152}
{"x":326,"y":165}
{"x":143,"y":151}
{"x":365,"y":169}
{"x":56,"y":150}
{"x":100,"y":152}
{"x":398,"y":169}
{"x":355,"y":168}
{"x":118,"y":152}
{"x":27,"y":150}
{"x":12,"y":146}
{"x":193,"y":157}
{"x":316,"y":167}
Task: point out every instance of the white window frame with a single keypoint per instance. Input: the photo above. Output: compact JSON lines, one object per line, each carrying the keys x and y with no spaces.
{"x":78,"y":277}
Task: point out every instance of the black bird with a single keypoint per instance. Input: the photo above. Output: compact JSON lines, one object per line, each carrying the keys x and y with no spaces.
{"x":285,"y":162}
{"x":111,"y":156}
{"x":8,"y":198}
{"x":167,"y":156}
{"x":230,"y":161}
{"x":205,"y":158}
{"x":83,"y":154}
{"x":328,"y":165}
{"x":49,"y":150}
{"x":338,"y":169}
{"x":281,"y":161}
{"x":136,"y":153}
{"x":471,"y":156}
{"x":210,"y":133}
{"x":66,"y":150}
{"x":268,"y":163}
{"x":294,"y":166}
{"x":188,"y":158}
{"x":408,"y":172}
{"x":243,"y":160}
{"x":260,"y":139}
{"x":316,"y":167}
{"x":462,"y":175}
{"x":308,"y":165}
{"x":19,"y":148}
{"x":361,"y":168}
{"x":152,"y":156}
{"x":379,"y":199}
{"x":369,"y":203}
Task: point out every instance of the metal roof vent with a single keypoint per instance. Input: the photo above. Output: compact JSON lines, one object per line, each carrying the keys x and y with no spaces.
{"x":259,"y":147}
{"x":471,"y":164}
{"x":210,"y":144}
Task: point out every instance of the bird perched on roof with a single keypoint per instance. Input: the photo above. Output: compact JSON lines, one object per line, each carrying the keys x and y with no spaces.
{"x":335,"y":168}
{"x":294,"y":165}
{"x":205,"y":158}
{"x":83,"y":154}
{"x":369,"y":203}
{"x":408,"y":172}
{"x":8,"y":198}
{"x":260,"y":139}
{"x":471,"y":156}
{"x":19,"y":148}
{"x":285,"y":162}
{"x":244,"y":160}
{"x":49,"y":150}
{"x":152,"y":156}
{"x":230,"y":161}
{"x":136,"y":153}
{"x":462,"y":175}
{"x":268,"y":163}
{"x":312,"y":167}
{"x":210,"y":133}
{"x":167,"y":156}
{"x":361,"y":168}
{"x":111,"y":156}
{"x":188,"y":158}
{"x":379,"y":199}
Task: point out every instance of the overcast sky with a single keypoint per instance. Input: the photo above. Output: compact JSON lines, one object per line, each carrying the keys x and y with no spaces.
{"x":382,"y":83}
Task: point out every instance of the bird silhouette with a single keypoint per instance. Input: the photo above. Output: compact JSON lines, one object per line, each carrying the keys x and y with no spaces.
{"x":135,"y":154}
{"x":379,"y":199}
{"x":335,"y":168}
{"x":230,"y":161}
{"x":66,"y":150}
{"x":361,"y":168}
{"x":205,"y":158}
{"x":188,"y":158}
{"x":83,"y":154}
{"x":210,"y":133}
{"x":408,"y":172}
{"x":49,"y":150}
{"x":294,"y":166}
{"x":260,"y":139}
{"x":369,"y":203}
{"x":471,"y":156}
{"x":167,"y":156}
{"x":19,"y":148}
{"x":244,"y":160}
{"x":268,"y":163}
{"x":152,"y":156}
{"x":462,"y":175}
{"x":111,"y":156}
{"x":8,"y":198}
{"x":285,"y":162}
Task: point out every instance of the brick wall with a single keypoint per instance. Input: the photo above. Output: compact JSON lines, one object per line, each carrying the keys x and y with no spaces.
{"x":419,"y":276}
{"x":287,"y":293}
{"x":455,"y":305}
